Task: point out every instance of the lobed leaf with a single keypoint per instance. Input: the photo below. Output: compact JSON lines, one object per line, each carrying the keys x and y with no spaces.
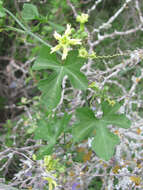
{"x":51,"y":87}
{"x":104,"y":141}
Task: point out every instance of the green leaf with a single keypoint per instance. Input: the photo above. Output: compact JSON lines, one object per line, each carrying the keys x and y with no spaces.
{"x":51,"y":87}
{"x":85,"y":125}
{"x":46,"y":60}
{"x":43,"y":131}
{"x":84,"y":114}
{"x":108,"y":109}
{"x":72,"y":66}
{"x":118,"y":120}
{"x":2,"y":102}
{"x":104,"y":141}
{"x":43,"y":151}
{"x":2,"y":11}
{"x":50,"y":131}
{"x":56,"y":27}
{"x":110,"y":116}
{"x":29,"y":12}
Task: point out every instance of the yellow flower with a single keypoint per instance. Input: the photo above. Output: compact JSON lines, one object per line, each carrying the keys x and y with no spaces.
{"x":111,"y":102}
{"x":65,"y":41}
{"x":49,"y":163}
{"x":51,"y":182}
{"x":83,"y":18}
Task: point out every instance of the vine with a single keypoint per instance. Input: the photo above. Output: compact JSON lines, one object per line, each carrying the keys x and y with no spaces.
{"x":88,"y":123}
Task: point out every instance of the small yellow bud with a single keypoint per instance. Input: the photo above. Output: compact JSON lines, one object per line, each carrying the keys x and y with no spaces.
{"x":83,"y":53}
{"x":111,"y":102}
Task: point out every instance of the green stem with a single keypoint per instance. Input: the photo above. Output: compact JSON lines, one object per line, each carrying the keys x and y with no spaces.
{"x":82,"y":27}
{"x":15,"y":29}
{"x":65,"y":148}
{"x":93,"y":97}
{"x":28,"y":31}
{"x":85,"y":97}
{"x":64,"y":139}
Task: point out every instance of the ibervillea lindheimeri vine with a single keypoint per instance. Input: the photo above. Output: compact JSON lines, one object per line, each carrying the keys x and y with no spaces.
{"x":66,"y":59}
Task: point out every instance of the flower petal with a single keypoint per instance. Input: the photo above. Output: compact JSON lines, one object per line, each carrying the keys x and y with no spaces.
{"x":75,"y":41}
{"x":68,"y":30}
{"x":57,"y":36}
{"x":65,"y":53}
{"x":56,"y":48}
